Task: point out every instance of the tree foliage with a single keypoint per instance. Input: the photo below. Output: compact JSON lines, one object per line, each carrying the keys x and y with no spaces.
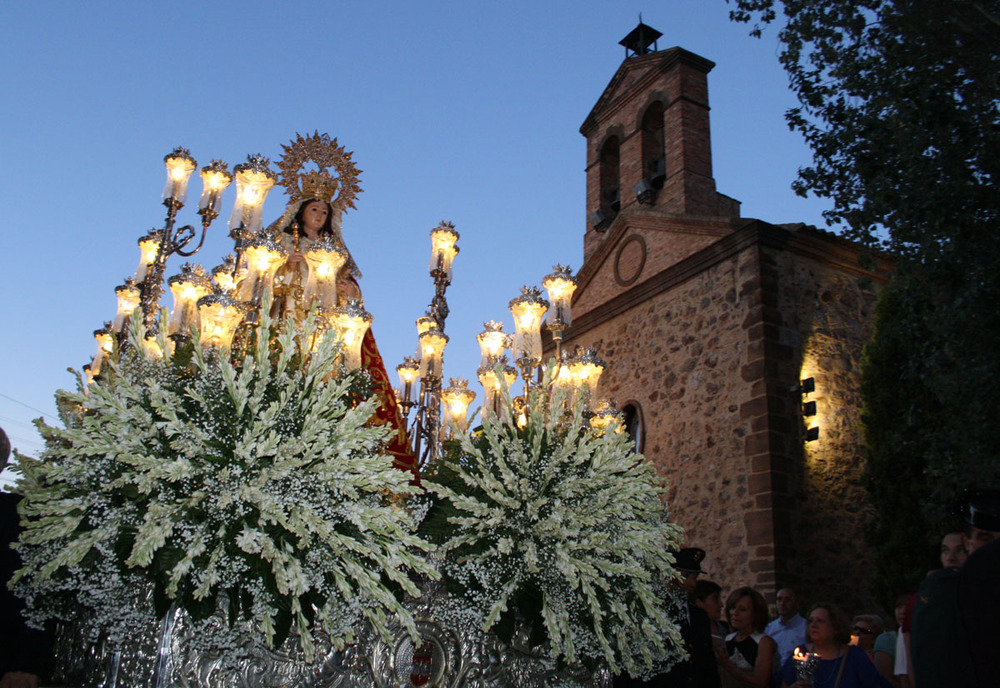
{"x":900,"y":102}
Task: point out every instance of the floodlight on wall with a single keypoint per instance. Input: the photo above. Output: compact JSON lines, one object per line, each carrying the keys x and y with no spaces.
{"x":808,"y":386}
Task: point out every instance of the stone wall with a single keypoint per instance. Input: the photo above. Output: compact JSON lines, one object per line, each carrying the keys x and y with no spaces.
{"x":712,"y":350}
{"x":827,"y":316}
{"x":680,"y":356}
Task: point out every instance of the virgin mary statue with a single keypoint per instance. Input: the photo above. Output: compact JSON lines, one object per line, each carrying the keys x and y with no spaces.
{"x":311,"y":228}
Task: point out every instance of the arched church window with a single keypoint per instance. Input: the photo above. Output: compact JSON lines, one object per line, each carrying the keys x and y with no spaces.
{"x":653,"y":152}
{"x":632,"y":419}
{"x":610,"y":185}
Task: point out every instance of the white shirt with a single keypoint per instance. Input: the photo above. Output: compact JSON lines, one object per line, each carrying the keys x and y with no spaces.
{"x":787,"y":634}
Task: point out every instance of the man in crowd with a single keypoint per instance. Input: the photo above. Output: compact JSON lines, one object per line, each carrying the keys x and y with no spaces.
{"x":700,"y":670}
{"x":940,"y":642}
{"x":789,"y":629}
{"x":979,"y":585}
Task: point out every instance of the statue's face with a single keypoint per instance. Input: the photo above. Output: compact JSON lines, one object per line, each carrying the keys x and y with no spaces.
{"x":314,"y":216}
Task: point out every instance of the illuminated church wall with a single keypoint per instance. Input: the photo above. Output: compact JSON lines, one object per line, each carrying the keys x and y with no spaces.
{"x":708,"y":322}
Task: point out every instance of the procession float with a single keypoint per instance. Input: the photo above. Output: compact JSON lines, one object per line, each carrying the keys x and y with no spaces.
{"x":237,"y":496}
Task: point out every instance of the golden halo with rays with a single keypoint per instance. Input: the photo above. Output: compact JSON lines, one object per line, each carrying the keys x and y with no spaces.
{"x":339,"y":190}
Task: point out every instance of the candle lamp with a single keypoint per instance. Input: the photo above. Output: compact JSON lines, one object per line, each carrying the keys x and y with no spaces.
{"x":432,"y":343}
{"x":179,"y":165}
{"x":351,"y":322}
{"x":528,"y":309}
{"x":151,"y":343}
{"x":149,"y":248}
{"x":105,"y":347}
{"x":607,"y":418}
{"x":254,"y":179}
{"x":443,"y":250}
{"x":187,"y":287}
{"x":264,"y":256}
{"x":806,"y":664}
{"x":215,"y":179}
{"x":586,"y":369}
{"x":490,"y":378}
{"x":456,"y":399}
{"x":128,"y":301}
{"x":409,"y":372}
{"x":324,"y":259}
{"x":219,"y":315}
{"x":492,"y":342}
{"x":226,"y":276}
{"x":559,"y":285}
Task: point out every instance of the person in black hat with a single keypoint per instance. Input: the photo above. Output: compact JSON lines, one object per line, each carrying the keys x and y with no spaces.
{"x":943,"y":641}
{"x":979,"y":584}
{"x":700,"y":670}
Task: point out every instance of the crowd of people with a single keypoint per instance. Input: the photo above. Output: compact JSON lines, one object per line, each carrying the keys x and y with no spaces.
{"x":944,"y":634}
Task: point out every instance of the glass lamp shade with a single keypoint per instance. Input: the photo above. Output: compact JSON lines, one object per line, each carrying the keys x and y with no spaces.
{"x":607,"y":418}
{"x":180,"y":165}
{"x":187,"y":287}
{"x":105,"y":346}
{"x":443,"y":249}
{"x":324,"y":261}
{"x":586,"y":370}
{"x":559,"y":285}
{"x":455,"y":401}
{"x":128,"y":301}
{"x":424,"y":323}
{"x":409,"y":372}
{"x":254,"y":180}
{"x":223,"y":275}
{"x":528,"y":309}
{"x":149,"y":246}
{"x":151,"y":344}
{"x":215,"y":178}
{"x":432,"y":343}
{"x":564,"y":374}
{"x":492,"y":342}
{"x":264,"y":256}
{"x":220,"y":315}
{"x":351,"y":322}
{"x":489,"y":378}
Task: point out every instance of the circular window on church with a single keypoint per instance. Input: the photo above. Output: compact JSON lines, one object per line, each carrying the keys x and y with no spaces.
{"x":632,"y":417}
{"x":630,"y":260}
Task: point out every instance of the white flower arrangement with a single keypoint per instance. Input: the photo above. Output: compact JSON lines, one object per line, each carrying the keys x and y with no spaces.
{"x":558,"y":528}
{"x":255,"y":485}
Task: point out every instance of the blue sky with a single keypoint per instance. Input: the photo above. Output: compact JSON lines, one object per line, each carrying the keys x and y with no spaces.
{"x":465,"y":111}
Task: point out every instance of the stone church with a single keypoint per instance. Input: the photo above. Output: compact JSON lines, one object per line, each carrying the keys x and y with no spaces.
{"x":733,"y":344}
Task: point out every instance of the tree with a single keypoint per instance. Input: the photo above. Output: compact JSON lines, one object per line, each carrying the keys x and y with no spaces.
{"x":900,"y":103}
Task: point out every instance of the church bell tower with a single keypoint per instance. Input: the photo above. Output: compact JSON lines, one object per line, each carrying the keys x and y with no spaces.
{"x":648,"y":139}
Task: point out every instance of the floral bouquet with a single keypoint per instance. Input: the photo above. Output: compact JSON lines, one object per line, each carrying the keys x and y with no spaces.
{"x":554,"y":533}
{"x":251,"y":483}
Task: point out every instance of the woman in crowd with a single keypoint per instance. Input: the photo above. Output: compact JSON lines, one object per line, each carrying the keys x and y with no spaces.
{"x":839,"y":665}
{"x":708,"y":596}
{"x":748,"y":657}
{"x":886,"y":647}
{"x":866,"y":628}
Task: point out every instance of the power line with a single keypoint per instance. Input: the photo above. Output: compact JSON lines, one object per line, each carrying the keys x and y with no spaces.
{"x":44,"y":413}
